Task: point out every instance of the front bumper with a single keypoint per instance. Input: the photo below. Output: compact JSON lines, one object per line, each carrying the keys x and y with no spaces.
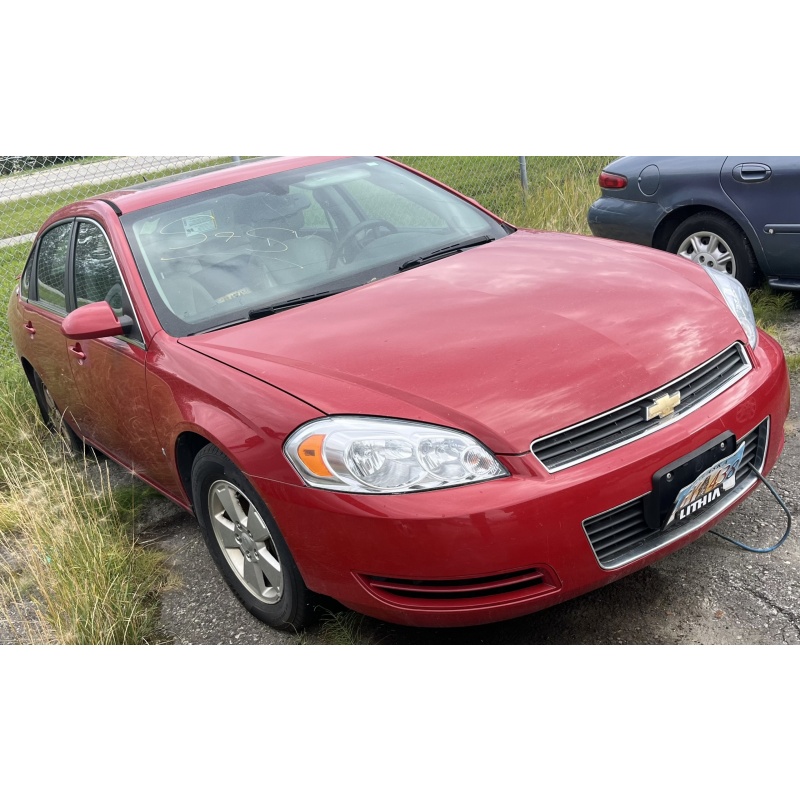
{"x":508,"y":547}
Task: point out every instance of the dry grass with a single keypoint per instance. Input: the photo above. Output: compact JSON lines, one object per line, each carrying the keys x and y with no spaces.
{"x":345,"y":628}
{"x":560,"y":188}
{"x":71,"y":558}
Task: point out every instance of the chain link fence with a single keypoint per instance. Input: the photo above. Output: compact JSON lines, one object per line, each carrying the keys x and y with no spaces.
{"x":532,"y":191}
{"x":33,"y":187}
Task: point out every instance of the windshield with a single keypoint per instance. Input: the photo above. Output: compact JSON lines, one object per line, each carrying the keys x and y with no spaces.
{"x":223,"y":256}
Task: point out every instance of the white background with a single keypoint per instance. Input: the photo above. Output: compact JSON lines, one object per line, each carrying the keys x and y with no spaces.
{"x":424,"y":79}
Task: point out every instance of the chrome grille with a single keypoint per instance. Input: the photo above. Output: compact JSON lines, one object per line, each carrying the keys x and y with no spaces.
{"x":621,"y":535}
{"x":621,"y":425}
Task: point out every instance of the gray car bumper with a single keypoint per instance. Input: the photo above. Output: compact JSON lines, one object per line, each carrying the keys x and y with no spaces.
{"x":625,"y":220}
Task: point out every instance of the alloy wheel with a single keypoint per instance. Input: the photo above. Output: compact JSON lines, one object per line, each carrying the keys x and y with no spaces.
{"x":246,"y":541}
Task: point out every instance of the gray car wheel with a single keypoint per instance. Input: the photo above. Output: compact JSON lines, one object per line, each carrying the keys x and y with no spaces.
{"x":714,"y":241}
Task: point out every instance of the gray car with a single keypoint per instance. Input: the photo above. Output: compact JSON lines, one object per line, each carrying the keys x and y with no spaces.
{"x":737,"y":214}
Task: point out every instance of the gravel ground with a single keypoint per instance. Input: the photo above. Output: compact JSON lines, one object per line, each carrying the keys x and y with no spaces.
{"x":707,"y":593}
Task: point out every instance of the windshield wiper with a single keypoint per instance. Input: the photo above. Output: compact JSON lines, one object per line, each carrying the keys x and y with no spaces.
{"x":293,"y":303}
{"x":268,"y":310}
{"x":446,"y":251}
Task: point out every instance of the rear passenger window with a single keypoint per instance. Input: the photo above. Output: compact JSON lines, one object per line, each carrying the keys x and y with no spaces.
{"x":51,"y":267}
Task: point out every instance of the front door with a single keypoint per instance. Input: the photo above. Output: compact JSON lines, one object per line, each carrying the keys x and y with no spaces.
{"x":110,"y":373}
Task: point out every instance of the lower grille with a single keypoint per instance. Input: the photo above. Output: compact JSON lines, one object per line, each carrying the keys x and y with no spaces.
{"x":621,"y":535}
{"x":464,"y":592}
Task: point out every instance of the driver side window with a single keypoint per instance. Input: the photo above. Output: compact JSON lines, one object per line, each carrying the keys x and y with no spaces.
{"x":97,"y":276}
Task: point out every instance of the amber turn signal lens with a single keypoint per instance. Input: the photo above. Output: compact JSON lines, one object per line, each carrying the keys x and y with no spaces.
{"x":309,"y":451}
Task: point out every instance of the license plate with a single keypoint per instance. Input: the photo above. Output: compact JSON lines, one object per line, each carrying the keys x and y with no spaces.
{"x":707,"y":489}
{"x":672,"y":478}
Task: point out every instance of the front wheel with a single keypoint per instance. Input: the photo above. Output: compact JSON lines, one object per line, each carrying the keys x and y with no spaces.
{"x":714,"y":241}
{"x":246,"y":545}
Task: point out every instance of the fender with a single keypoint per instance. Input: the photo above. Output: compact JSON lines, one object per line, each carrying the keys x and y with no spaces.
{"x":253,"y":431}
{"x":711,"y":196}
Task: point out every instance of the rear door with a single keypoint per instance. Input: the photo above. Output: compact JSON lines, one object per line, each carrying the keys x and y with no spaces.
{"x":42,"y":308}
{"x":767,"y":190}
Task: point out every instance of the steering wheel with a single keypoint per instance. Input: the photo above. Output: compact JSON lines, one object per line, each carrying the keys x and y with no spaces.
{"x":349,"y":240}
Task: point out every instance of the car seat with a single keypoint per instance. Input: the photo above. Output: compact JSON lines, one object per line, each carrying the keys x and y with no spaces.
{"x":274,"y":225}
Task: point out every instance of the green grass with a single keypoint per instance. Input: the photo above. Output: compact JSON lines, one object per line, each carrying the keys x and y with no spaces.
{"x":772,"y":311}
{"x":770,"y":307}
{"x":12,"y":262}
{"x":793,"y":362}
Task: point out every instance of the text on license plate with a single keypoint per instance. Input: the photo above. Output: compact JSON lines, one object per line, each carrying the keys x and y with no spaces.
{"x":707,"y":488}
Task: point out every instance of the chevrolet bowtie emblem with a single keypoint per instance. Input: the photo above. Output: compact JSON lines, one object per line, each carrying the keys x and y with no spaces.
{"x":663,"y":406}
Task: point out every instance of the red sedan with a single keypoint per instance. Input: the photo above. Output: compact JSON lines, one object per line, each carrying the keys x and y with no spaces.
{"x":368,"y":387}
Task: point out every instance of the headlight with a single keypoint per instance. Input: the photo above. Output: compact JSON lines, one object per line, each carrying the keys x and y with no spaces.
{"x":738,"y":302}
{"x":373,"y":455}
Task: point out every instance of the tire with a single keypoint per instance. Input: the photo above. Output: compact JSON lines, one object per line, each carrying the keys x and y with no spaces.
{"x":54,"y":419}
{"x":246,"y":544}
{"x":714,"y":240}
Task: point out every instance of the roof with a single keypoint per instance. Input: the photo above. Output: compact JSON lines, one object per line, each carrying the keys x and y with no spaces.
{"x":161,"y":190}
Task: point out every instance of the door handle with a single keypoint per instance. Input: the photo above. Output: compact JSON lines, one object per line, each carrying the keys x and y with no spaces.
{"x":77,"y":351}
{"x":751,"y":173}
{"x":30,"y":328}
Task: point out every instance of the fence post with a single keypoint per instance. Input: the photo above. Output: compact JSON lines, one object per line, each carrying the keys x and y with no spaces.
{"x":523,"y":174}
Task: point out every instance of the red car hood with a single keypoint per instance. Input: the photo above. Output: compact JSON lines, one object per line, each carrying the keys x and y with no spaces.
{"x":509,"y":341}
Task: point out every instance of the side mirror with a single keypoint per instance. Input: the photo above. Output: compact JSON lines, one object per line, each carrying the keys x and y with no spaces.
{"x":94,"y":321}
